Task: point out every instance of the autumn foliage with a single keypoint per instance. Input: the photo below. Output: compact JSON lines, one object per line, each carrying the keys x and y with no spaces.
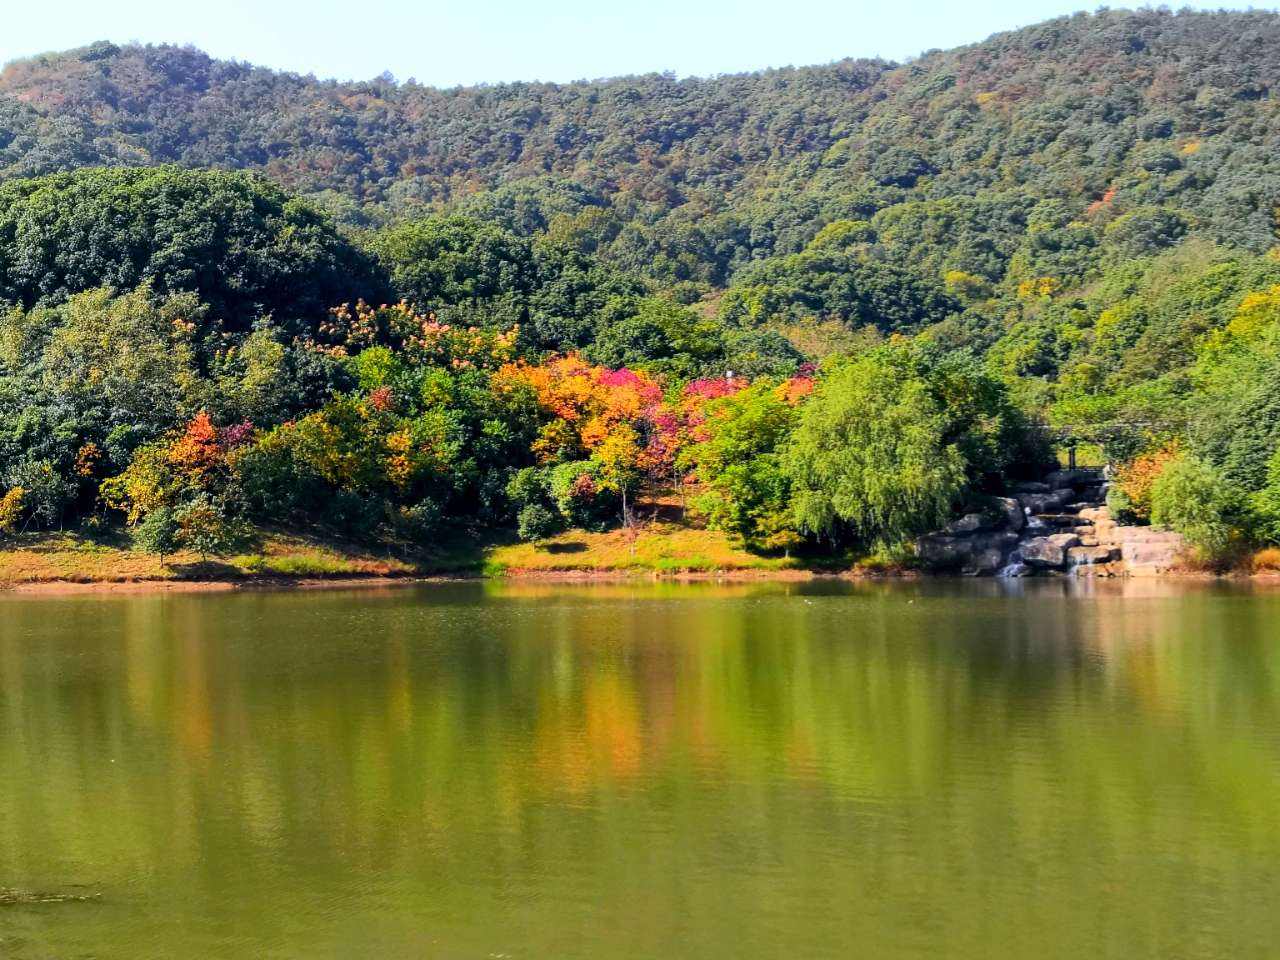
{"x":1135,"y":480}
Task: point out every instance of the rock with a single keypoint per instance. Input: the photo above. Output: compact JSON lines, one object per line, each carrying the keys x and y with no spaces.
{"x":1085,"y":539}
{"x":1145,"y":551}
{"x":1129,"y":534}
{"x":969,"y":523}
{"x":1096,"y":571}
{"x":937,"y":550}
{"x":1094,"y":493}
{"x":1153,"y":556}
{"x":1050,"y":551}
{"x":1063,"y":479}
{"x":1090,"y":555}
{"x":983,"y":562}
{"x":1009,"y":508}
{"x":1045,"y":502}
{"x":1032,"y":487}
{"x":1094,"y":514}
{"x":1061,"y":520}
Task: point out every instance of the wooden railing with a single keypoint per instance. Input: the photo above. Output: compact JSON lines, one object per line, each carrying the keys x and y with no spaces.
{"x":1070,"y":436}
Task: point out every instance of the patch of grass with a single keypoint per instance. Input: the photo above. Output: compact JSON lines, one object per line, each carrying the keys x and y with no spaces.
{"x":493,"y":567}
{"x":659,"y":547}
{"x":664,"y":545}
{"x":74,"y":558}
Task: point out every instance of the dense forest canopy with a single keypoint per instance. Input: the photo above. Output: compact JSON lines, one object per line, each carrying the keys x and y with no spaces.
{"x":230,"y":294}
{"x":977,"y":159}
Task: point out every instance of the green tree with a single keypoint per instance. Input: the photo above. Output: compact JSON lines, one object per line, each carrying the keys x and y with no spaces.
{"x":457,"y":261}
{"x":1192,"y":498}
{"x":740,"y":466}
{"x":875,"y":457}
{"x":207,"y":527}
{"x":157,"y":532}
{"x":243,"y":246}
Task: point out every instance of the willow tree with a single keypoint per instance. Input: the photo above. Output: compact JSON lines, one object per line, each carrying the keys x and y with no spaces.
{"x":874,"y":457}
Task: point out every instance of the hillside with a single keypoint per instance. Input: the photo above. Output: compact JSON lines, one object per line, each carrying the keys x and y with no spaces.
{"x":951,"y":156}
{"x":824,"y":310}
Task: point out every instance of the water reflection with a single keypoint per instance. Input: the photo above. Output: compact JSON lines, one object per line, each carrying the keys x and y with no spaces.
{"x":621,"y":770}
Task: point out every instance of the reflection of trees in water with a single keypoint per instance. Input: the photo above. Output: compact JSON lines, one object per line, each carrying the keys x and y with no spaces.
{"x":490,"y":732}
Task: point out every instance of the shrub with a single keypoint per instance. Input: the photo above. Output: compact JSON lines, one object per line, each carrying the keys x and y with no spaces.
{"x":1268,"y":560}
{"x":204,"y":526}
{"x":1129,"y":497}
{"x":536,"y":522}
{"x":157,"y":533}
{"x":1189,"y":496}
{"x":11,"y":511}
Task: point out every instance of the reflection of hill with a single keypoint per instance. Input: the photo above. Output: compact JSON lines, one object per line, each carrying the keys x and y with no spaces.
{"x":614,"y":739}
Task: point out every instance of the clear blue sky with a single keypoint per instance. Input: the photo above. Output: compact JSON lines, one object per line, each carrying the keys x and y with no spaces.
{"x":470,"y":41}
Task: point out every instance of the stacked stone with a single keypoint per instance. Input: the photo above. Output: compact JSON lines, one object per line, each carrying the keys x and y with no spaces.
{"x":1058,"y":525}
{"x":977,"y":543}
{"x":1065,"y":511}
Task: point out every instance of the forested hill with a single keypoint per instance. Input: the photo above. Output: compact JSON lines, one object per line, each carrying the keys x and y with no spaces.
{"x":839,"y":299}
{"x":1167,"y":118}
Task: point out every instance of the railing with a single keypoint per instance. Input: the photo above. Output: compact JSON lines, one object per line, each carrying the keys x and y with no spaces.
{"x":1118,"y":440}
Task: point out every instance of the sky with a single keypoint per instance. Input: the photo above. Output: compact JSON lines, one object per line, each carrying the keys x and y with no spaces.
{"x":478,"y":41}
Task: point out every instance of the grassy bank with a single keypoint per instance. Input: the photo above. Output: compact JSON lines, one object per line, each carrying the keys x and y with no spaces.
{"x":656,"y":548}
{"x":653,"y":548}
{"x":74,"y":558}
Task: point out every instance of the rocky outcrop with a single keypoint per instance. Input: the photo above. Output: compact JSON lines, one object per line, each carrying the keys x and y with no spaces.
{"x":1048,"y":552}
{"x":1146,"y":551}
{"x":1059,"y":525}
{"x":1089,"y":555}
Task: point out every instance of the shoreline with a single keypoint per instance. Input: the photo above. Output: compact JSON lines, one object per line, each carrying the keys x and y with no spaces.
{"x":568,"y":577}
{"x":72,"y":563}
{"x":250,"y":584}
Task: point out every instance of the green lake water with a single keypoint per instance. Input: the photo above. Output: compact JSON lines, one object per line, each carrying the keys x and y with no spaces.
{"x":935,"y":769}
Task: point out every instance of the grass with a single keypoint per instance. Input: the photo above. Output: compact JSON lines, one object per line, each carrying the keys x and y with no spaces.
{"x":657,"y":547}
{"x":665,"y":543}
{"x":662,"y":548}
{"x":79,"y":558}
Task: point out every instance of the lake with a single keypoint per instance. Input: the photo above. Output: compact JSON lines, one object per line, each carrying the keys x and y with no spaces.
{"x":959,"y":769}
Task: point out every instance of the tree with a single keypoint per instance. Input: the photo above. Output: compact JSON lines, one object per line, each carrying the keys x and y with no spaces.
{"x":847,"y":285}
{"x":658,"y":336}
{"x":204,"y":526}
{"x":1190,"y":497}
{"x":157,"y":532}
{"x":874,"y":457}
{"x":243,"y":246}
{"x":536,"y":522}
{"x":739,"y":463}
{"x":1146,"y":230}
{"x":457,"y":261}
